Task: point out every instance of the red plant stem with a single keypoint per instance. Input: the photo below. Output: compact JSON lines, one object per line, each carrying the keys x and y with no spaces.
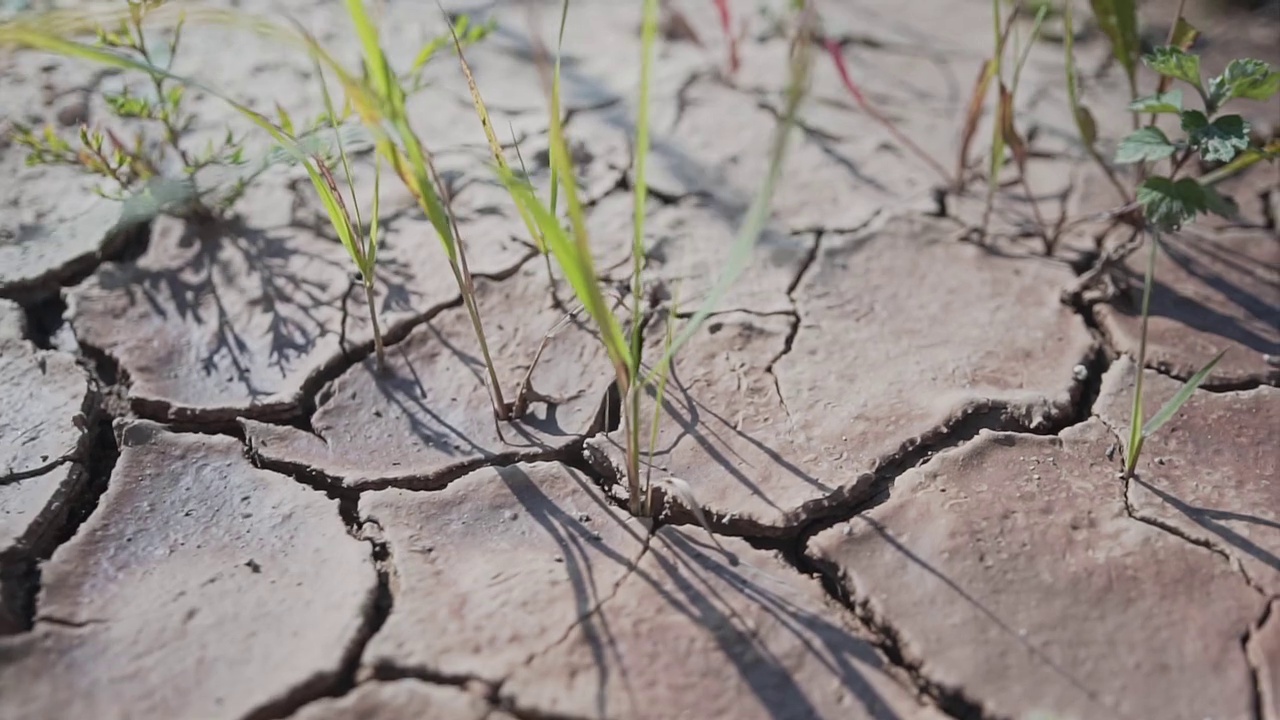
{"x":726,"y":24}
{"x":837,"y":57}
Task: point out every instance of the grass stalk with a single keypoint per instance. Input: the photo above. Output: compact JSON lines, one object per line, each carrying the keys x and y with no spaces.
{"x":1135,"y":415}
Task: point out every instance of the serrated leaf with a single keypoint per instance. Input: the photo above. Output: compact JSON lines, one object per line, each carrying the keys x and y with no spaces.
{"x":1175,"y":63}
{"x":1167,"y":204}
{"x":1216,"y":141}
{"x":1251,"y":79}
{"x":1166,"y":413}
{"x":1219,"y":204}
{"x":1169,"y":102}
{"x":1144,"y":145}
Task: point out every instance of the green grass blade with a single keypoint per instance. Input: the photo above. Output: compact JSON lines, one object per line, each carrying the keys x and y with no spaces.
{"x":1085,"y":124}
{"x":578,"y":271}
{"x":375,"y":61}
{"x":373,"y":221}
{"x":555,"y":108}
{"x":648,"y":34}
{"x":1169,"y":409}
{"x":495,"y":147}
{"x":354,"y":244}
{"x":1135,"y":416}
{"x":1026,"y":51}
{"x":758,"y":212}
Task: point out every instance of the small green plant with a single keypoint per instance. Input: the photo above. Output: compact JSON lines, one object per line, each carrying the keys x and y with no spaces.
{"x":620,"y":335}
{"x":1139,"y":431}
{"x":1167,"y":200}
{"x":147,"y":175}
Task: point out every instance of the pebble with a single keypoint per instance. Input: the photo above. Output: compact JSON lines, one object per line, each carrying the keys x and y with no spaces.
{"x":73,"y":113}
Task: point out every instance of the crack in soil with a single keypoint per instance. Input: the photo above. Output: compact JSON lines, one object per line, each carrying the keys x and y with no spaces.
{"x":632,"y":566}
{"x":1136,"y":516}
{"x":1255,"y":664}
{"x":99,"y":460}
{"x":339,"y":682}
{"x":952,"y":701}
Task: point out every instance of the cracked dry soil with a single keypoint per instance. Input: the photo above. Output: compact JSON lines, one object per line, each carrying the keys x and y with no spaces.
{"x":906,"y":445}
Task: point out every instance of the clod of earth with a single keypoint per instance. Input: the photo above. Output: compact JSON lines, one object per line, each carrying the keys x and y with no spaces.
{"x":526,"y":576}
{"x":1211,"y":474}
{"x":1212,"y":291}
{"x":236,"y":320}
{"x":774,"y":424}
{"x":52,"y":225}
{"x":200,"y":587}
{"x":402,"y":700}
{"x":45,"y":430}
{"x":1021,"y":545}
{"x":429,"y":419}
{"x":47,"y":400}
{"x":31,"y":512}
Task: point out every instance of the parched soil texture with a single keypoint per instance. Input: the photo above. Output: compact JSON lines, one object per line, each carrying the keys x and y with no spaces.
{"x":905,"y":438}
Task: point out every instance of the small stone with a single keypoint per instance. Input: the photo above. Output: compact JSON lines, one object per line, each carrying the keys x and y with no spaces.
{"x":74,"y":113}
{"x":1080,"y":372}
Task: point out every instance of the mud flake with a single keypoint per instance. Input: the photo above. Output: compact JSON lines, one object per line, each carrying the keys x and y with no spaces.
{"x":1094,"y":624}
{"x":143,"y":607}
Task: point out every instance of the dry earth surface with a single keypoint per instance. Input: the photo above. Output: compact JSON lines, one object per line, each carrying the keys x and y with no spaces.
{"x":907,"y":444}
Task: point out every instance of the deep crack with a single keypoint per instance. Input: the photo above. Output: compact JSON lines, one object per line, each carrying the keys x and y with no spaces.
{"x":952,"y":701}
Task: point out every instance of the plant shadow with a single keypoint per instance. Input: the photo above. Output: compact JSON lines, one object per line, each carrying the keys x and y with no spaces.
{"x":772,"y":635}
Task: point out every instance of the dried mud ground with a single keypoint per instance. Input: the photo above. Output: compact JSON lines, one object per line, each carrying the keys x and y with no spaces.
{"x":907,"y":444}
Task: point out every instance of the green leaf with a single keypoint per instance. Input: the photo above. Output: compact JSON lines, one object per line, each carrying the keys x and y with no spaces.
{"x":1175,"y":63}
{"x":1216,"y":141}
{"x":1219,"y":204}
{"x":1170,"y":102}
{"x":1144,"y":145}
{"x":1118,"y":19}
{"x":1087,"y":126}
{"x":1252,"y":79}
{"x":1166,"y":413}
{"x":1184,"y":34}
{"x":1167,"y":205}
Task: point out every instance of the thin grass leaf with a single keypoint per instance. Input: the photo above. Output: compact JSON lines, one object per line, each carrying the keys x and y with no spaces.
{"x":1175,"y":403}
{"x":495,"y":147}
{"x":555,"y":108}
{"x":996,"y":160}
{"x":683,"y":492}
{"x":376,"y":66}
{"x":1026,"y":51}
{"x":1085,"y":123}
{"x":971,"y":116}
{"x":373,"y":221}
{"x":648,"y":35}
{"x":1135,"y":415}
{"x":660,"y":391}
{"x":758,"y":212}
{"x":578,"y":271}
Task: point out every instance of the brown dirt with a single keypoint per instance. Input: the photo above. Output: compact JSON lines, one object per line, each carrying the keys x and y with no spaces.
{"x":213,"y":505}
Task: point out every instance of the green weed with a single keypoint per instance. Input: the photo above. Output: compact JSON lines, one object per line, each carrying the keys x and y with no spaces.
{"x":571,"y":245}
{"x":137,"y":170}
{"x":1167,"y":201}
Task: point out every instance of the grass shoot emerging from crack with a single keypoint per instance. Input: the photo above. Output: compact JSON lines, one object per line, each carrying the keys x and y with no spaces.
{"x":571,"y":245}
{"x":1138,"y":430}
